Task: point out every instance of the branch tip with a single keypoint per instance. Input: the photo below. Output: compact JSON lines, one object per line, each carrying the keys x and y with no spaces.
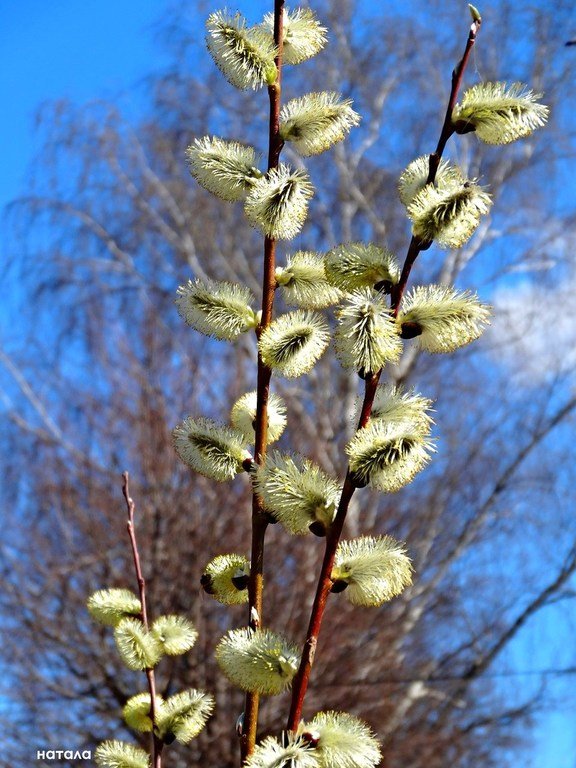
{"x":475,"y":13}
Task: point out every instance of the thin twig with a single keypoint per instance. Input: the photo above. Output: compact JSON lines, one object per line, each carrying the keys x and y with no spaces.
{"x":416,"y":245}
{"x":457,"y":75}
{"x":302,"y":677}
{"x":157,"y":744}
{"x":259,"y":516}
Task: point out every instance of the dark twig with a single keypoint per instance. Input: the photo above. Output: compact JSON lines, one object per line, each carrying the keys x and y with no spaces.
{"x":302,"y":677}
{"x":157,"y":744}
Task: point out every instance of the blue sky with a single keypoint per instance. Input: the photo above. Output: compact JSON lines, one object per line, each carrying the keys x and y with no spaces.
{"x":99,"y":49}
{"x":66,"y":49}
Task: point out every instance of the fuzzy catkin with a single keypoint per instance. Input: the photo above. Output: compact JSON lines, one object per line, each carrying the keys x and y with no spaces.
{"x":243,"y":416}
{"x":414,"y":178}
{"x":344,"y":741}
{"x":225,"y":578}
{"x":176,"y":634}
{"x":293,"y":343}
{"x":183,"y":715}
{"x":257,"y":660}
{"x":277,"y":204}
{"x":352,"y":266}
{"x":376,"y":569}
{"x":119,"y":754}
{"x":227,"y":169}
{"x":499,"y":113}
{"x":444,"y":318}
{"x":138,"y":648}
{"x":387,"y":456}
{"x":316,"y":121}
{"x":448,"y":215}
{"x":304,"y":36}
{"x":211,"y":449}
{"x":218,"y":309}
{"x":244,"y":56}
{"x":297,"y":492}
{"x":303,"y":282}
{"x":394,"y":404}
{"x":136,"y":711}
{"x":367,"y":337}
{"x":110,"y":606}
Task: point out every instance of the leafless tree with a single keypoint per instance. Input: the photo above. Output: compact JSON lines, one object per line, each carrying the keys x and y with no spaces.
{"x":112,"y":225}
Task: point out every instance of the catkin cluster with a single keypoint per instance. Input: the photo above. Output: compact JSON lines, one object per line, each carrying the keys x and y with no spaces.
{"x":179,"y":717}
{"x":340,"y":297}
{"x":350,"y":296}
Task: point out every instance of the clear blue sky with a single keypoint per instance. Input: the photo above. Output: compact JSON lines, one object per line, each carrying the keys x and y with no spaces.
{"x":76,"y":49}
{"x":92,"y":49}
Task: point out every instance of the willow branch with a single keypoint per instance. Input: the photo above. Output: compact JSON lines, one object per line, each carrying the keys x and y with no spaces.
{"x":301,"y":680}
{"x":457,"y":75}
{"x":416,"y":245}
{"x":157,"y":744}
{"x":259,"y":517}
{"x":302,"y":677}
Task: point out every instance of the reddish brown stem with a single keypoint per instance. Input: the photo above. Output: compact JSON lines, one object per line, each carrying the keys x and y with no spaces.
{"x":300,"y":684}
{"x":457,"y":75}
{"x":302,"y":677}
{"x":157,"y":744}
{"x":259,"y":519}
{"x":416,"y":245}
{"x":414,"y":250}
